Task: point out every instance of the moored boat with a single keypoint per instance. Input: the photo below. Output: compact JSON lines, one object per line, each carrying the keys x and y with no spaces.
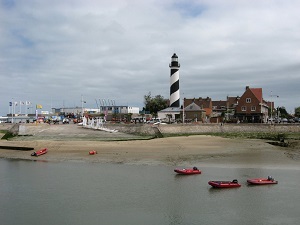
{"x":262,"y":181}
{"x":224,"y":184}
{"x":40,"y":152}
{"x":93,"y":152}
{"x":188,"y":171}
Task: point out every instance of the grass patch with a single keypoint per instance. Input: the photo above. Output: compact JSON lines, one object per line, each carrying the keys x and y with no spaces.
{"x":7,"y":135}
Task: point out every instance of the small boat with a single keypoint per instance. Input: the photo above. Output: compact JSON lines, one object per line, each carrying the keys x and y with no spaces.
{"x":262,"y":181}
{"x":93,"y":152}
{"x":224,"y":184}
{"x":40,"y":152}
{"x":188,"y":171}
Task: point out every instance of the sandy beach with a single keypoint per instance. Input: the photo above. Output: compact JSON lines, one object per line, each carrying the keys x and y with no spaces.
{"x":178,"y":151}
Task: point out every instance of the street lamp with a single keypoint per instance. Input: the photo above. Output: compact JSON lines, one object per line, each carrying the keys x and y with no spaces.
{"x":277,"y":96}
{"x":82,"y":106}
{"x":183,"y":116}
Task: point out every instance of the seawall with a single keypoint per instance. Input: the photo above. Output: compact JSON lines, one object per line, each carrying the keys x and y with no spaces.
{"x":158,"y":130}
{"x":147,"y":129}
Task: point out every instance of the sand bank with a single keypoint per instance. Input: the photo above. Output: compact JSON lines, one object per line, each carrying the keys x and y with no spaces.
{"x":177,"y":151}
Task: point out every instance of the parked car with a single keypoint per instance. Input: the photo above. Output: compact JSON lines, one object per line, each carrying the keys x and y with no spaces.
{"x":284,"y":120}
{"x":66,"y":121}
{"x":154,"y":121}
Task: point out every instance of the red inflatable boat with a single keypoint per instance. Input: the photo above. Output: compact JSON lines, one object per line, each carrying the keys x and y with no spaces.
{"x":93,"y":152}
{"x":224,"y":184}
{"x":40,"y":152}
{"x":188,"y":171}
{"x":262,"y":181}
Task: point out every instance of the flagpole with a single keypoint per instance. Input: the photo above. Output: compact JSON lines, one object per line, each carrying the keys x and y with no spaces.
{"x":12,"y":110}
{"x":81,"y":106}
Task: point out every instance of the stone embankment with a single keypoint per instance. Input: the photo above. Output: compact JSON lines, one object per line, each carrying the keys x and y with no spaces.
{"x":147,"y":129}
{"x":165,"y":129}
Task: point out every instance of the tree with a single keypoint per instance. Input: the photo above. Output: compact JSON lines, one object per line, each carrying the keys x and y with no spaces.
{"x":297,"y":111}
{"x":281,"y":111}
{"x":155,"y":104}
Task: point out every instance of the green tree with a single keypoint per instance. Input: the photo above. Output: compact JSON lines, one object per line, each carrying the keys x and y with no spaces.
{"x":155,"y":104}
{"x":282,"y":112}
{"x":297,"y":111}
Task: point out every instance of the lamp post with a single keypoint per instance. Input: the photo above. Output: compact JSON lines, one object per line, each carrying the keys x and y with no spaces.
{"x":12,"y":111}
{"x":272,"y":107}
{"x":183,"y":115}
{"x":82,"y":106}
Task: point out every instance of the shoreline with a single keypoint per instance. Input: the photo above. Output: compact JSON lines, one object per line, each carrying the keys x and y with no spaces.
{"x":73,"y":143}
{"x":175,"y":151}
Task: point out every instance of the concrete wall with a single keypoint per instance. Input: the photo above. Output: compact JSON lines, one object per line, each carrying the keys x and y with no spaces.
{"x":146,"y":129}
{"x":216,"y":128}
{"x":205,"y":128}
{"x":141,"y":129}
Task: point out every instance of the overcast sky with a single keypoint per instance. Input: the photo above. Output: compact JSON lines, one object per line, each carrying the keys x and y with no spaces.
{"x":52,"y":52}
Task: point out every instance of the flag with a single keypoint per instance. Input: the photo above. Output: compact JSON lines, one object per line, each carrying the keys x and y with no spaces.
{"x":28,"y":103}
{"x":16,"y":103}
{"x":39,"y":106}
{"x":10,"y":103}
{"x":22,"y":103}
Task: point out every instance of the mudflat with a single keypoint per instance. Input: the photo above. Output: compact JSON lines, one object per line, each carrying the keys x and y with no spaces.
{"x":69,"y":142}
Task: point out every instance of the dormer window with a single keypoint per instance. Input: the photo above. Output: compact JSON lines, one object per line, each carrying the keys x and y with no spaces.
{"x":248,"y":100}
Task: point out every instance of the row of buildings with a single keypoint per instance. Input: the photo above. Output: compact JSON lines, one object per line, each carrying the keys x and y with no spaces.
{"x":250,"y":107}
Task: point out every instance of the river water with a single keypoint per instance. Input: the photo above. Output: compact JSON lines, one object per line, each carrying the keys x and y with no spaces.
{"x":80,"y":193}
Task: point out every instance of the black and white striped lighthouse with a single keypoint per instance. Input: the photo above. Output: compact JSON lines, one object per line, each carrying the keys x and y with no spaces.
{"x":174,"y":82}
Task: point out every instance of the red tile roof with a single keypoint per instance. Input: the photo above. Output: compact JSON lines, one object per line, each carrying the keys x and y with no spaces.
{"x":257,"y":92}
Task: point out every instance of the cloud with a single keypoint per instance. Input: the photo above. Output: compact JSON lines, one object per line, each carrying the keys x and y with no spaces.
{"x":52,"y":52}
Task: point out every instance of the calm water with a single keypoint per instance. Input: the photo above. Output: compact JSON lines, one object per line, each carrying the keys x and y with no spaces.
{"x":86,"y":193}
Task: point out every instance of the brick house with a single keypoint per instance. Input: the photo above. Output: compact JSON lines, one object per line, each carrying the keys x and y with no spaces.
{"x":204,"y":104}
{"x":224,"y":109}
{"x":193,"y":112}
{"x":251,"y":107}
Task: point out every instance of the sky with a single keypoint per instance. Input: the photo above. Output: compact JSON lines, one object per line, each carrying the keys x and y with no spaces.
{"x":57,"y":53}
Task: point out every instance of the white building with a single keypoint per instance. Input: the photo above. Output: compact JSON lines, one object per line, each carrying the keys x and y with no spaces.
{"x":103,"y":109}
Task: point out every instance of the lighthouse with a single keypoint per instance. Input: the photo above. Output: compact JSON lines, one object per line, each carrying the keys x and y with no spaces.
{"x":174,"y":82}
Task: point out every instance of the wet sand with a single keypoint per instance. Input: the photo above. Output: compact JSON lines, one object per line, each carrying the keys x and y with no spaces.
{"x":177,"y":151}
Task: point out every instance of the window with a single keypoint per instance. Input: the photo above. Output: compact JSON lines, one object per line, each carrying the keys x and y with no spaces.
{"x":253,"y":108}
{"x":248,"y":100}
{"x":244,"y":108}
